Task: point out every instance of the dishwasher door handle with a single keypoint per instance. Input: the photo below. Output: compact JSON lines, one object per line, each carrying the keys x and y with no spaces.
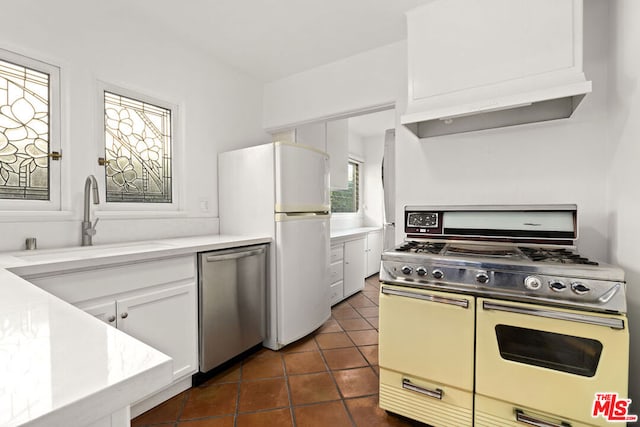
{"x":236,"y":255}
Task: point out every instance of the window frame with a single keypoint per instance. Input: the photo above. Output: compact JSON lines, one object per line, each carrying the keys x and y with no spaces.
{"x":25,"y":209}
{"x":140,"y":209}
{"x":359,"y":210}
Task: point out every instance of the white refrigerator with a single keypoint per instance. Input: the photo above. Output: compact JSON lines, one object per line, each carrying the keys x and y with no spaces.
{"x":282,"y":190}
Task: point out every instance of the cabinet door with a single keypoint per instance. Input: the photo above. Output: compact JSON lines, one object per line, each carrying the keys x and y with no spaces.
{"x":167,"y":321}
{"x":105,"y":311}
{"x":338,"y":150}
{"x":313,"y":134}
{"x":374,"y":251}
{"x":354,"y":266}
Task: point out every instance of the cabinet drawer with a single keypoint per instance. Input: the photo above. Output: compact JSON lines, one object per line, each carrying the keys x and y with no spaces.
{"x":79,"y":286}
{"x":414,"y":398}
{"x":336,"y":292}
{"x":335,"y":272}
{"x":337,"y":253}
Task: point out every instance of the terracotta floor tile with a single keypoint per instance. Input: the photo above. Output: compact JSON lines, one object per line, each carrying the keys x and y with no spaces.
{"x":330,"y":414}
{"x":230,"y":375}
{"x":262,"y":365}
{"x":376,"y":369}
{"x":334,"y":340}
{"x":373,"y":296}
{"x":263,"y":394}
{"x":370,"y":353}
{"x":330,"y":325}
{"x":366,"y":413}
{"x":212,"y":400}
{"x":368,"y":311}
{"x":277,"y":418}
{"x":341,"y":304}
{"x":304,"y":363}
{"x":345,"y":313}
{"x":209,"y":422}
{"x":354,"y":324}
{"x":368,"y":287}
{"x":360,"y":300}
{"x":373,"y":321}
{"x":305,"y":344}
{"x":312,"y":388}
{"x":356,"y":382}
{"x":344,"y":358}
{"x":165,"y":412}
{"x":369,"y":337}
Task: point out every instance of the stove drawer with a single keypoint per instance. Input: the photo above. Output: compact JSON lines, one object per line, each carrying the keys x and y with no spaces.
{"x":550,"y":359}
{"x":431,"y":403}
{"x":495,"y":413}
{"x":427,"y":334}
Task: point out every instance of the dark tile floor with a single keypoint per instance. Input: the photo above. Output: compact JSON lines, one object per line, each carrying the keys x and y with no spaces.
{"x":329,"y":378}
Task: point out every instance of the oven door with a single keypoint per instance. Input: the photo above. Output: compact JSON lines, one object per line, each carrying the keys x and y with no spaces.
{"x":426,"y":355}
{"x":547,"y":359}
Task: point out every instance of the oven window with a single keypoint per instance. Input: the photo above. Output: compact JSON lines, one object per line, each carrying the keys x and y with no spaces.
{"x":564,"y":353}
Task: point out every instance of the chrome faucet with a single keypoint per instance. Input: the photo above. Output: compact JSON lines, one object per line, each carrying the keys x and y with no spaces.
{"x":88,"y":230}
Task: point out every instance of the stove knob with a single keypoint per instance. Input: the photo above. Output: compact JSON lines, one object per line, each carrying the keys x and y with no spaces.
{"x":437,"y":274}
{"x":482,"y":278}
{"x":406,"y":269}
{"x":579,"y":288}
{"x":532,"y":282}
{"x":421,"y":271}
{"x":557,"y":286}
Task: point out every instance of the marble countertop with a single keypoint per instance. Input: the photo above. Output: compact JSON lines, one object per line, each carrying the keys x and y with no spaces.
{"x":60,"y":366}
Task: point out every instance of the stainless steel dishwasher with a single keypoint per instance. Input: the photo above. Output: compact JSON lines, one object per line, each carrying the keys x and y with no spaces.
{"x":232,"y":288}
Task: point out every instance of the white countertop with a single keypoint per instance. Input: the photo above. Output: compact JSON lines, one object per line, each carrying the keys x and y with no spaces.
{"x":60,"y":366}
{"x":352,"y":232}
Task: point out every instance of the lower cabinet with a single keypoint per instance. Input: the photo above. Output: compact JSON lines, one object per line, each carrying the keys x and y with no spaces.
{"x":347,"y":269}
{"x":164,"y":319}
{"x":153,"y":300}
{"x":373,"y":252}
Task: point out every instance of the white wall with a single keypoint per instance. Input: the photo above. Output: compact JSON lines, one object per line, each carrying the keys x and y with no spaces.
{"x":624,"y":171}
{"x":360,"y":82}
{"x":219,"y":108}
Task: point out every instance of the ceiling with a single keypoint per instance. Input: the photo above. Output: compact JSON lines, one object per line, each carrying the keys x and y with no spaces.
{"x":271,"y":39}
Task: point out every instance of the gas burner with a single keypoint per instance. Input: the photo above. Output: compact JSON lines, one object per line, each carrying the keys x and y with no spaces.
{"x":560,"y":256}
{"x":421,"y":247}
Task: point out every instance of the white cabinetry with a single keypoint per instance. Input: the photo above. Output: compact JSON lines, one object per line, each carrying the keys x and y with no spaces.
{"x":336,"y":274}
{"x":354,"y":266}
{"x":154,"y":301}
{"x":161,"y":319}
{"x":313,"y":134}
{"x":373,"y":252}
{"x":338,"y":150}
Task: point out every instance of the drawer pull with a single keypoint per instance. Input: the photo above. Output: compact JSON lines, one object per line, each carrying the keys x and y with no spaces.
{"x":427,"y":297}
{"x":436,"y":394}
{"x":521,"y":417}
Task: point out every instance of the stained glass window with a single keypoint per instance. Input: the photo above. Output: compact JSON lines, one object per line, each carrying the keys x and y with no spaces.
{"x":24,"y":133}
{"x":137,"y":150}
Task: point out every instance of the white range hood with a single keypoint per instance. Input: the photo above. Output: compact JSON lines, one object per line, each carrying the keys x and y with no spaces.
{"x":552,"y":103}
{"x":476,"y":65}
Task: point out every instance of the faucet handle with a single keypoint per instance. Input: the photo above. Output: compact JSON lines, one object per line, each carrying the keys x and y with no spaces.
{"x":92,"y":230}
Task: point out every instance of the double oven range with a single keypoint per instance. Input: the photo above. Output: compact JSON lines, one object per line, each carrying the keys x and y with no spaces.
{"x":489,"y":317}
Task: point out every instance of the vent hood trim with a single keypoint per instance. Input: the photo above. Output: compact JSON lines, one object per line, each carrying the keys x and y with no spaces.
{"x":521,"y":108}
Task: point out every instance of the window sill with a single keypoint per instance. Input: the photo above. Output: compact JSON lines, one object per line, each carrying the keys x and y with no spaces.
{"x":36,"y":216}
{"x":140,"y":214}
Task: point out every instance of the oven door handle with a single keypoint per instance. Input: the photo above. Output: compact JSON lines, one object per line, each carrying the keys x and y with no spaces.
{"x":521,"y":417}
{"x":436,"y":393}
{"x":560,"y":315}
{"x":427,"y":297}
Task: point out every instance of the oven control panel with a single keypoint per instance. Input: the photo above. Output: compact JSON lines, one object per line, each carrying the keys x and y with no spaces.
{"x":563,"y":291}
{"x":423,"y":222}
